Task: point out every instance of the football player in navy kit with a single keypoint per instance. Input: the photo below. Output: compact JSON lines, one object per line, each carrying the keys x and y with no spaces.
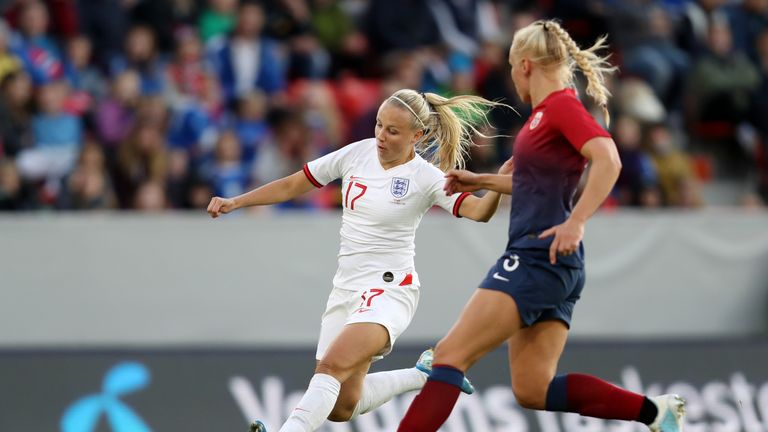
{"x":528,"y":296}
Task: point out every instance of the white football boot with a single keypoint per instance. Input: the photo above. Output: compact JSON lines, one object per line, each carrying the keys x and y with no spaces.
{"x":671,"y":413}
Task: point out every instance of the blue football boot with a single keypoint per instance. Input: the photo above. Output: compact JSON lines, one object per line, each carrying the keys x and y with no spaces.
{"x":424,"y":364}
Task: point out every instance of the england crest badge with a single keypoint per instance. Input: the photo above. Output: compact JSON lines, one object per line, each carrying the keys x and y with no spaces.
{"x":399,"y":187}
{"x":536,"y":120}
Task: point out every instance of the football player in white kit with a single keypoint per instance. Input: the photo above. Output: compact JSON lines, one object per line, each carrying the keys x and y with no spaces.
{"x":386,"y":189}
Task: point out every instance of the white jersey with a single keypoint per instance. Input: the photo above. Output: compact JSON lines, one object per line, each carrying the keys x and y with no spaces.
{"x":382,"y":209}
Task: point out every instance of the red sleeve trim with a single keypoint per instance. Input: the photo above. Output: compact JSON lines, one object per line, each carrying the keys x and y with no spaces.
{"x":457,"y":204}
{"x":310,"y":177}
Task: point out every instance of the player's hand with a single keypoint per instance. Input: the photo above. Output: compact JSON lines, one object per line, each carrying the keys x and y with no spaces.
{"x":508,"y":167}
{"x":461,"y":181}
{"x":219,"y":206}
{"x":568,"y":235}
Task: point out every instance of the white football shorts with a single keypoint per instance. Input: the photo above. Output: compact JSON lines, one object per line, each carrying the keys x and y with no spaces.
{"x":390,"y":304}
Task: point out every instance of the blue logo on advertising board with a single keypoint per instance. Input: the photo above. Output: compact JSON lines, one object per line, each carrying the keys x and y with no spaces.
{"x":123,"y":378}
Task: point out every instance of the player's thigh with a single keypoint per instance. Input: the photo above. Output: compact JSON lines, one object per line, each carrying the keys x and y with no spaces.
{"x":354,"y":347}
{"x":534,"y":353}
{"x":393,"y":308}
{"x":489,"y":318}
{"x":337,"y":310}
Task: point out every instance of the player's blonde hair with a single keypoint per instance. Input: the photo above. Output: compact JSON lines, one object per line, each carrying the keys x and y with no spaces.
{"x":550,"y":46}
{"x":448,"y":123}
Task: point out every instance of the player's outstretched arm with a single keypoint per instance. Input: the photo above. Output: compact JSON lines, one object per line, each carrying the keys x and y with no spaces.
{"x":480,"y":209}
{"x":467,"y":181}
{"x":284,"y":189}
{"x":483,"y":209}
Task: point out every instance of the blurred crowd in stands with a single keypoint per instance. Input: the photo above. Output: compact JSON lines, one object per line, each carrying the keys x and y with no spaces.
{"x":159,"y":104}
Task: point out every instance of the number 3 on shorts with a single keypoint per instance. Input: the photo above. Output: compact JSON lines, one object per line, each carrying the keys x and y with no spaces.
{"x":370,"y":295}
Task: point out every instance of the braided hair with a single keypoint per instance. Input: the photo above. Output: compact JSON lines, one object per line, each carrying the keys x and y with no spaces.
{"x":550,"y":46}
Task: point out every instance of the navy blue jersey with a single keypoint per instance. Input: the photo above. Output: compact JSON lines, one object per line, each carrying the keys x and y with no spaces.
{"x":548,"y":166}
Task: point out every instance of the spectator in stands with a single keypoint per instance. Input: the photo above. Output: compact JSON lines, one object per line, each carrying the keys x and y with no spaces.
{"x":186,"y":73}
{"x":654,"y":57}
{"x":141,"y":56}
{"x":747,"y":19}
{"x":198,"y":193}
{"x":290,"y":21}
{"x":244,"y":60}
{"x":694,"y":28}
{"x":400,"y":25}
{"x":115,"y":115}
{"x":218,"y":19}
{"x":760,"y":115}
{"x":179,"y":178}
{"x":63,"y":19}
{"x":165,"y":18}
{"x":88,"y":186}
{"x":351,"y":55}
{"x":331,"y":24}
{"x":13,"y":193}
{"x":722,"y":80}
{"x":228,"y":175}
{"x":86,"y":81}
{"x":9,"y":62}
{"x":15,"y":113}
{"x":637,"y":181}
{"x":194,"y":124}
{"x":318,"y":108}
{"x":719,"y":95}
{"x":286,"y":151}
{"x":250,"y":124}
{"x":674,"y":169}
{"x":57,"y":138}
{"x":105,"y":23}
{"x":153,"y":110}
{"x":459,"y":24}
{"x":142,"y":158}
{"x":408,"y":68}
{"x":37,"y":50}
{"x":150,"y":197}
{"x":493,"y":83}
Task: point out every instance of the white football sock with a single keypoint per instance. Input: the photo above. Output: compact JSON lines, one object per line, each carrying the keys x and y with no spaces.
{"x":380,"y":387}
{"x":315,"y":406}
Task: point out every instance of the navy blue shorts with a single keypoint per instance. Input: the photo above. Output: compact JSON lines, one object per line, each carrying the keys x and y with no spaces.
{"x":541,"y":290}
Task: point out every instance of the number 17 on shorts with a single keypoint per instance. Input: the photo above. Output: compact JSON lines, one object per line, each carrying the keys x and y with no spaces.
{"x":368,"y":297}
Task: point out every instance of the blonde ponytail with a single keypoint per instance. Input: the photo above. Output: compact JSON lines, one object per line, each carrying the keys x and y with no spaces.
{"x":448,"y":123}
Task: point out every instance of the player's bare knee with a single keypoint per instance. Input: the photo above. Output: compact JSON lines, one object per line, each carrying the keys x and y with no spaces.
{"x":527,"y":400}
{"x":341,"y":413}
{"x":333,"y":368}
{"x":529,"y":395}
